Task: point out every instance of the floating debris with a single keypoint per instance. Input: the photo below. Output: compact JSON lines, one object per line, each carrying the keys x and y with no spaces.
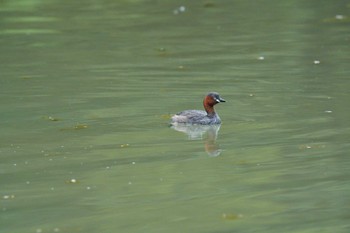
{"x":340,"y":17}
{"x":72,"y":181}
{"x":261,"y":58}
{"x":314,"y":146}
{"x":209,"y":4}
{"x":162,"y":52}
{"x":166,"y":116}
{"x":180,"y":9}
{"x":124,"y":145}
{"x":6,"y":197}
{"x":77,"y":127}
{"x":30,"y":76}
{"x":231,"y":216}
{"x":51,"y":118}
{"x":80,"y":126}
{"x":316,"y":62}
{"x":337,"y":19}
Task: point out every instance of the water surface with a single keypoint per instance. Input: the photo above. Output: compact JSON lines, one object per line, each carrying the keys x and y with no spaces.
{"x":87,"y":89}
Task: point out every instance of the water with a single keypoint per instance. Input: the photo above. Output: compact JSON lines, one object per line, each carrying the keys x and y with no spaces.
{"x":86,"y":93}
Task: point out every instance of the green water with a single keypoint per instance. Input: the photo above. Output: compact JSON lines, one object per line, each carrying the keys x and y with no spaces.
{"x":87,"y":88}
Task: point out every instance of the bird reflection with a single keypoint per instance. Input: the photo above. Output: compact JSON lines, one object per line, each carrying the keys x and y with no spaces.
{"x":207,"y":133}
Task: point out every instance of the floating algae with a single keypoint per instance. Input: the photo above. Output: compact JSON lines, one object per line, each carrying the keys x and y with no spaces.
{"x":76,"y":127}
{"x":80,"y":126}
{"x":231,"y":216}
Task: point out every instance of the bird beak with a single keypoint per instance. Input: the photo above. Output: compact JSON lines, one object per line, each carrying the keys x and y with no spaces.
{"x":220,"y":100}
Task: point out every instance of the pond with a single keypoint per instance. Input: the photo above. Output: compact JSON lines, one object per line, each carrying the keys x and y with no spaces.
{"x":88,"y":87}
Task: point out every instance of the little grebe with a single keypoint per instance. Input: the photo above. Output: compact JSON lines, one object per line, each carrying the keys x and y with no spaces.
{"x":207,"y":117}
